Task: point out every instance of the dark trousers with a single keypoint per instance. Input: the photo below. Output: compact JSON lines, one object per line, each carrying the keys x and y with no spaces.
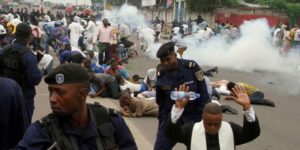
{"x":112,"y":90}
{"x":104,"y":53}
{"x":162,"y":142}
{"x":29,"y":109}
{"x":258,"y":98}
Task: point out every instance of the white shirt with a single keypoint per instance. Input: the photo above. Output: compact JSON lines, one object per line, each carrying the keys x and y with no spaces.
{"x":297,"y":35}
{"x":177,"y":112}
{"x":179,"y":42}
{"x":91,"y":29}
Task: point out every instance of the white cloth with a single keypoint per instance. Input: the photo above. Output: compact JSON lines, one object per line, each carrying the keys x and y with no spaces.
{"x":147,"y":94}
{"x":198,"y":141}
{"x":146,"y":37}
{"x":78,"y":50}
{"x":131,"y":86}
{"x":177,"y":112}
{"x":223,"y":90}
{"x":297,"y":35}
{"x":176,"y":30}
{"x":64,"y":20}
{"x":76,"y":31}
{"x":45,"y":61}
{"x":179,"y":42}
{"x":89,"y":34}
{"x":158,"y":27}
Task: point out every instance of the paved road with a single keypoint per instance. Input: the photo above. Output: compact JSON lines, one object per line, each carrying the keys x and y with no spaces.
{"x":279,"y":126}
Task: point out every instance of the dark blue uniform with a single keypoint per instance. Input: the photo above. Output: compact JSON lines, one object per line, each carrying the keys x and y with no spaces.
{"x":33,"y":73}
{"x":14,"y":119}
{"x":37,"y":138}
{"x":188,"y":73}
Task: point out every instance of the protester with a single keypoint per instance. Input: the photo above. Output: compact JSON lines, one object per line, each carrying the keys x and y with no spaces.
{"x":134,"y":107}
{"x":212,"y":132}
{"x":256,"y":96}
{"x":104,"y":36}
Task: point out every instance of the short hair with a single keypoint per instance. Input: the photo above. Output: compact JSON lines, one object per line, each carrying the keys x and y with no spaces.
{"x":230,"y":85}
{"x":122,"y":101}
{"x":135,"y":77}
{"x":212,"y":108}
{"x":165,"y":50}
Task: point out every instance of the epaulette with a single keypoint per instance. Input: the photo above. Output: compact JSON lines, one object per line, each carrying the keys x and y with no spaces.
{"x":189,"y":64}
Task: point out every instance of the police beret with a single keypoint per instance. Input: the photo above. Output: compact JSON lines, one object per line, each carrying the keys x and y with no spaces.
{"x":67,"y":73}
{"x":23,"y":29}
{"x":165,"y":50}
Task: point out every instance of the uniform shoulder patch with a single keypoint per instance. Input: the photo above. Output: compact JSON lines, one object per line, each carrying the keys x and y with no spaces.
{"x":200,"y":75}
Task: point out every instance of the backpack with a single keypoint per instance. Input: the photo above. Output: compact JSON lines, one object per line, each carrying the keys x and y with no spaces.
{"x":13,"y":66}
{"x":99,"y":114}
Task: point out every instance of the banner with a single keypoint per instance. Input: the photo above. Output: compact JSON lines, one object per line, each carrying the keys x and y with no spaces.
{"x":148,"y":2}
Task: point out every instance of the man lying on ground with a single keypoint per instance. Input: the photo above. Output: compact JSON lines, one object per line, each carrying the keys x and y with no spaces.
{"x":134,"y":107}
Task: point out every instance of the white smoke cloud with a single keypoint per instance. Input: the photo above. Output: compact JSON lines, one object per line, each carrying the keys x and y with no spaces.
{"x":252,"y":51}
{"x":127,"y":14}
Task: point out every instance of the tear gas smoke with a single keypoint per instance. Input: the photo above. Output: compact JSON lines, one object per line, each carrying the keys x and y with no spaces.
{"x":127,"y":14}
{"x":252,"y":51}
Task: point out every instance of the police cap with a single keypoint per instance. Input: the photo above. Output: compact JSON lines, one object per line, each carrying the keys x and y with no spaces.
{"x":67,"y":73}
{"x":165,"y":50}
{"x":23,"y":29}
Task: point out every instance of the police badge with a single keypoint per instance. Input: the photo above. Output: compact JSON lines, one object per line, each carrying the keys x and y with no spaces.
{"x":200,"y":75}
{"x":60,"y":78}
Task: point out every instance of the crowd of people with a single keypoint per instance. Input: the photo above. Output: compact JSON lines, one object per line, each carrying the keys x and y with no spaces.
{"x":91,"y":55}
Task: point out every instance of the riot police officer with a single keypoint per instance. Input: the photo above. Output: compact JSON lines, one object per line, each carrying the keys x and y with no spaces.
{"x":173,"y":73}
{"x":73,"y":124}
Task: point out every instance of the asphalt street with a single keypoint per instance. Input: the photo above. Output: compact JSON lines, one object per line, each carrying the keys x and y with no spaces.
{"x":279,"y":125}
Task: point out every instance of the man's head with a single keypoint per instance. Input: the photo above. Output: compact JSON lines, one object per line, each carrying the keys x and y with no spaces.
{"x":114,"y":65}
{"x":87,"y":62}
{"x":68,"y":87}
{"x":167,"y":56}
{"x":212,"y":118}
{"x":125,"y":100}
{"x":105,"y":22}
{"x":230,"y":86}
{"x":135,"y":78}
{"x":23,"y":32}
{"x":91,"y":74}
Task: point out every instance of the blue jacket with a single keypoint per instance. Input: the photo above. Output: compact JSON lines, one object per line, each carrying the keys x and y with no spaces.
{"x":190,"y":73}
{"x":14,"y":119}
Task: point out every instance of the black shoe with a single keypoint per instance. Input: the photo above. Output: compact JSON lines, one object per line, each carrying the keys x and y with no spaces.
{"x":229,"y":109}
{"x":270,"y":103}
{"x":216,"y":69}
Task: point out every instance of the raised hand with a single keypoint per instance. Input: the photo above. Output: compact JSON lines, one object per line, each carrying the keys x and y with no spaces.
{"x":240,"y":96}
{"x":181,"y":103}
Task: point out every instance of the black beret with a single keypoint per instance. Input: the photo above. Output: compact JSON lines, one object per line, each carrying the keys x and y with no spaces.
{"x":23,"y":29}
{"x":67,"y":73}
{"x":165,"y":50}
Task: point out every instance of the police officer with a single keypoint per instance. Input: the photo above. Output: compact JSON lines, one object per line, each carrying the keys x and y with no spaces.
{"x":174,"y":72}
{"x":14,"y":119}
{"x":73,"y":124}
{"x":19,"y":63}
